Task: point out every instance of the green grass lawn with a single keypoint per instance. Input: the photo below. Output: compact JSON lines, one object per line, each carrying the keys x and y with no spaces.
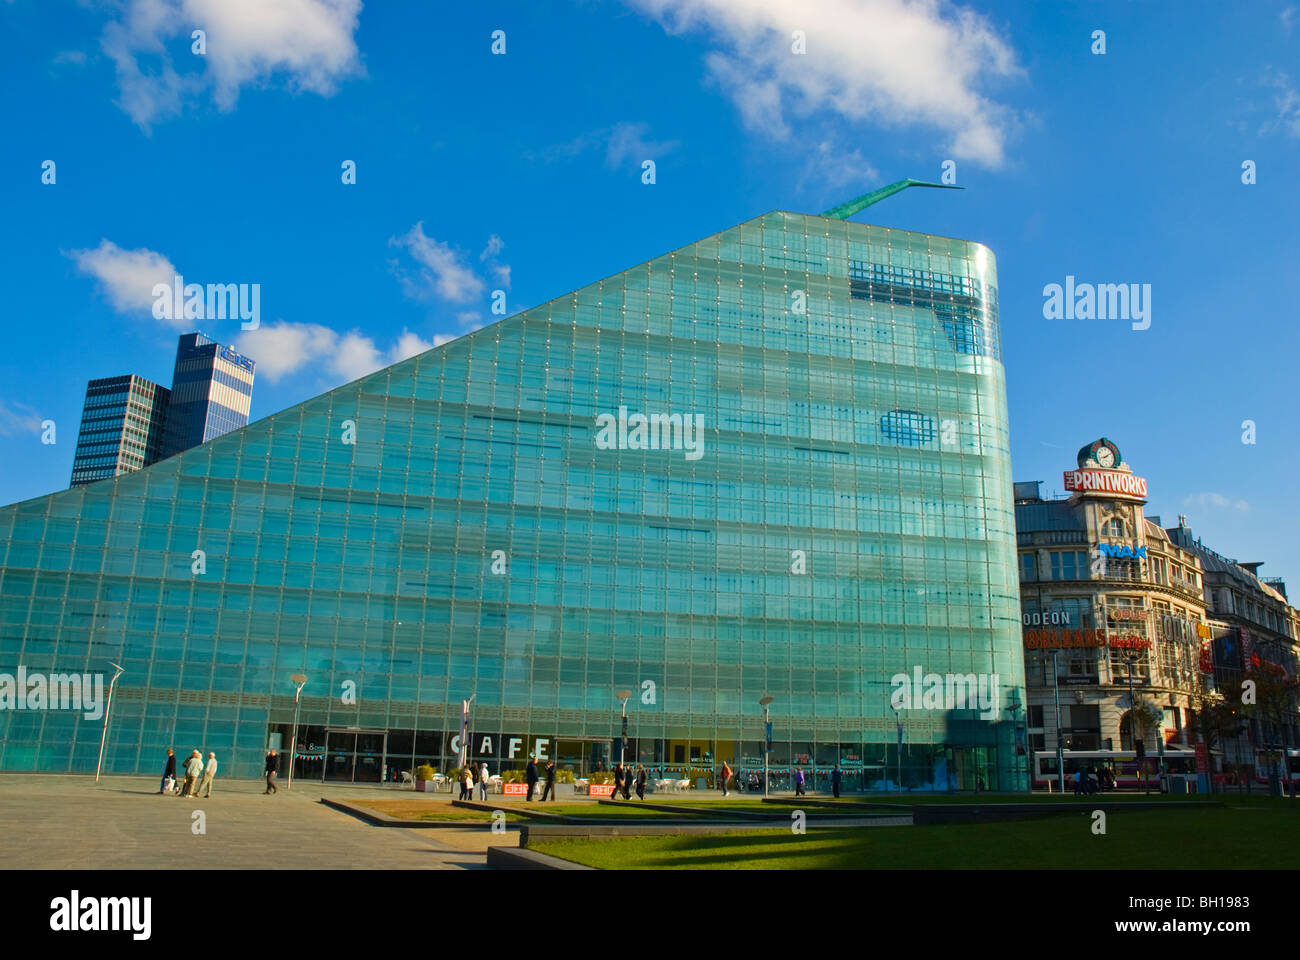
{"x":910,"y":799}
{"x":1250,"y":835}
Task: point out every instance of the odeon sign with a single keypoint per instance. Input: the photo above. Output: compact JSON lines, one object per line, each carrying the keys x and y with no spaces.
{"x":1106,"y":481}
{"x":1054,"y":618}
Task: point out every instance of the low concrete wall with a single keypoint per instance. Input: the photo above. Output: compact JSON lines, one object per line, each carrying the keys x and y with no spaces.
{"x":377,"y":819}
{"x":509,"y":858}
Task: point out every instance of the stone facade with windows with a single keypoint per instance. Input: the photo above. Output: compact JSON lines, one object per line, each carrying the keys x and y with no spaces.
{"x":1109,"y":603}
{"x":1255,"y":630}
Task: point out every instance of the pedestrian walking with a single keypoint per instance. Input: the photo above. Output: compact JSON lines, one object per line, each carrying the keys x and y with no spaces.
{"x":169,"y":772}
{"x":482,"y":781}
{"x":205,"y":781}
{"x":618,"y":780}
{"x":272,"y":766}
{"x":1078,"y":781}
{"x":724,"y":776}
{"x":549,"y":791}
{"x":531,"y":776}
{"x":837,"y":777}
{"x":640,"y":783}
{"x":466,"y":783}
{"x":798,"y":783}
{"x":193,"y":767}
{"x":627,"y":782}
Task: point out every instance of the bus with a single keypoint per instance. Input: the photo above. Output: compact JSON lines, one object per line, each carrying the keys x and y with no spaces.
{"x":1266,"y":759}
{"x":1179,"y":767}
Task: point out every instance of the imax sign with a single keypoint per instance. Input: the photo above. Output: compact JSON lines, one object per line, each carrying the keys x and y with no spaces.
{"x":1123,"y":553}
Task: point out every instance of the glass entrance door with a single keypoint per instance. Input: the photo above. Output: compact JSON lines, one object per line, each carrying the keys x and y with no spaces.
{"x":355,"y":756}
{"x":340,"y":754}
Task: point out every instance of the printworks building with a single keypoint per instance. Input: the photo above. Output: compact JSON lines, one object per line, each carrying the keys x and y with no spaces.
{"x":1114,"y":623}
{"x":773,"y":463}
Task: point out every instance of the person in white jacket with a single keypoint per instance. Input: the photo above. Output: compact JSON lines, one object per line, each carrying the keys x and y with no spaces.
{"x":193,"y":767}
{"x":482,"y":781}
{"x":205,"y":781}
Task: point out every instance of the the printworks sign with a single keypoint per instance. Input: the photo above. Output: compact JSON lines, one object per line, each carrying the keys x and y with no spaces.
{"x":1114,"y":482}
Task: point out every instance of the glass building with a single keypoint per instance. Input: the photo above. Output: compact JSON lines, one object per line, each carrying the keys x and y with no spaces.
{"x":773,"y":463}
{"x":122,"y":425}
{"x":212,"y":392}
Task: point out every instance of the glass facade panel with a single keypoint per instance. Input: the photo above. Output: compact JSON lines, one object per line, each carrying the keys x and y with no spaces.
{"x":772,"y":463}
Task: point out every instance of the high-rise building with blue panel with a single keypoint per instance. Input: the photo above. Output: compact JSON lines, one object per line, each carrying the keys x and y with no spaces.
{"x":773,"y":463}
{"x":212,"y":392}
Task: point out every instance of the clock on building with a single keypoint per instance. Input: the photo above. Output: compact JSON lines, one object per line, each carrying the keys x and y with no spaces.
{"x":1101,"y":452}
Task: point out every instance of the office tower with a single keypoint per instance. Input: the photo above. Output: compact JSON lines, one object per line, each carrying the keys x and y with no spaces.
{"x":212,"y":391}
{"x":122,"y":425}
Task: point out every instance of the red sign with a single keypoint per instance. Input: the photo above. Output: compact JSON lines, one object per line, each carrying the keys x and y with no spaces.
{"x":1046,"y":639}
{"x":1202,"y":758}
{"x":1128,"y":613}
{"x":1106,"y":481}
{"x":1207,"y":658}
{"x":1129,"y":643}
{"x":515,"y":790}
{"x":600,"y":790}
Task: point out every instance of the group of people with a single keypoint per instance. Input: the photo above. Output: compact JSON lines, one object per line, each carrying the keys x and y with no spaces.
{"x":755,"y":782}
{"x":531,"y":776}
{"x":624,"y":780}
{"x":468,"y":777}
{"x":1093,"y":780}
{"x":198,"y":775}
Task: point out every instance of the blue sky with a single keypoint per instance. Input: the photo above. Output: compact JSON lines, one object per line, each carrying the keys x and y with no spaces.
{"x":522,"y":172}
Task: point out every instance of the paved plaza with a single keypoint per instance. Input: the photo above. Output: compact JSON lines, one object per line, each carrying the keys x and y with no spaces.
{"x":68,"y":822}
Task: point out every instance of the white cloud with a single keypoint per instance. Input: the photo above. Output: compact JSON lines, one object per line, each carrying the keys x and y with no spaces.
{"x":18,"y":418}
{"x":494,"y":246}
{"x":1215,"y":500}
{"x":629,"y":141}
{"x":1286,"y":103}
{"x":442,"y":272}
{"x":409,"y":345}
{"x":830,"y":166}
{"x":283,"y":348}
{"x":309,"y":43}
{"x":77,"y":57}
{"x":893,"y":62}
{"x":127,"y":276}
{"x":621,"y":142}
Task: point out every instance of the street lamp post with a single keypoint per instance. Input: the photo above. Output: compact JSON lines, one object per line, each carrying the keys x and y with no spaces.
{"x":898,"y":751}
{"x":299,"y":680}
{"x":1060,"y":752}
{"x":766,"y":702}
{"x":624,"y":696}
{"x":1132,"y":722}
{"x":103,"y":737}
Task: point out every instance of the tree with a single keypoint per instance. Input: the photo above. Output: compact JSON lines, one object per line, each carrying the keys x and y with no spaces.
{"x":1215,"y":720}
{"x":1275,"y":695}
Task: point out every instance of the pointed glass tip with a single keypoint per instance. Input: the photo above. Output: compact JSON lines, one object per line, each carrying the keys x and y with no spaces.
{"x":857,"y":205}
